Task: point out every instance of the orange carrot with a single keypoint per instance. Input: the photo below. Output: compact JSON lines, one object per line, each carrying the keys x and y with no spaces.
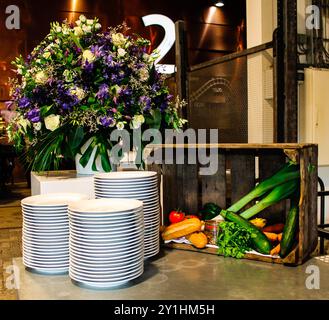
{"x":276,"y":250}
{"x":271,"y":236}
{"x":276,"y":228}
{"x":280,"y":237}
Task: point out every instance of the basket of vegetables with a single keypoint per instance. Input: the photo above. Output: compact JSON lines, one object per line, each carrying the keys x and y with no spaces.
{"x":252,"y":227}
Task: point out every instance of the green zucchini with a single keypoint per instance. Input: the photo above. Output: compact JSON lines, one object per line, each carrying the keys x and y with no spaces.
{"x":260,"y":241}
{"x":289,"y":231}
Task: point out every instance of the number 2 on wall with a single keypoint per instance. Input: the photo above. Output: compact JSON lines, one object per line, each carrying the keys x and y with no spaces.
{"x":168,"y":41}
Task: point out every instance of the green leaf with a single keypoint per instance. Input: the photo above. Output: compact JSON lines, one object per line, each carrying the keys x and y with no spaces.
{"x":76,"y":40}
{"x":75,"y":139}
{"x":105,"y":159}
{"x":94,"y":167}
{"x":87,"y":154}
{"x":155,"y":120}
{"x":44,"y":111}
{"x":91,"y":100}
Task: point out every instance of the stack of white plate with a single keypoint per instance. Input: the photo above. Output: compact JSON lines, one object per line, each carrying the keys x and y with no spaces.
{"x":140,"y":185}
{"x":46,"y":231}
{"x":106,"y":242}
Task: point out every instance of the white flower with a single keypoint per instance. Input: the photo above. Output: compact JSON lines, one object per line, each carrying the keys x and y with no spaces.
{"x":52,"y":122}
{"x":41,"y":77}
{"x":58,"y":29}
{"x":19,"y":71}
{"x":65,"y":30}
{"x":98,"y":26}
{"x":87,"y":55}
{"x":47,"y":55}
{"x":78,"y":22}
{"x":121,"y":52}
{"x":86,"y":29}
{"x":58,"y":41}
{"x":143,"y":74}
{"x":78,"y":92}
{"x":82,"y":18}
{"x":38,"y":61}
{"x":120,"y":125}
{"x":78,"y":31}
{"x":137,"y":121}
{"x":37,"y":126}
{"x":90,"y":22}
{"x":118,"y":39}
{"x":23,"y":123}
{"x":68,"y":75}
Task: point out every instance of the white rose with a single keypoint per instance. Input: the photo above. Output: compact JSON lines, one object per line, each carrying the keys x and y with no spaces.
{"x":78,"y":92}
{"x":137,"y":121}
{"x":82,"y":18}
{"x":78,"y":22}
{"x":37,"y":126}
{"x":98,"y":26}
{"x":90,"y":22}
{"x":58,"y":29}
{"x":47,"y":55}
{"x":41,"y":77}
{"x":52,"y":122}
{"x":118,"y":39}
{"x":78,"y":31}
{"x":86,"y":29}
{"x":143,"y":74}
{"x":121,"y":52}
{"x":87,"y":55}
{"x":120,"y":125}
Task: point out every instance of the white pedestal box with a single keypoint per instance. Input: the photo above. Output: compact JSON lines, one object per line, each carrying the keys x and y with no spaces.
{"x":62,"y":181}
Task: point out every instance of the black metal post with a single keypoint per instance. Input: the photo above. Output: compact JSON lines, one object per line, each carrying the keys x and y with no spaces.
{"x":285,"y":75}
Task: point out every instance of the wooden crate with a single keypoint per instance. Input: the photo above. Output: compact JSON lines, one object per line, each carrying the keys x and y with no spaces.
{"x":238,"y":167}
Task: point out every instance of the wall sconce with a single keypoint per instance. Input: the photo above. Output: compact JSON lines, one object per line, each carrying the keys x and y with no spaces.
{"x":219,"y":3}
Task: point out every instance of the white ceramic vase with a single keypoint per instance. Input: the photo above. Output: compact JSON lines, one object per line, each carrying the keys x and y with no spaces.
{"x":88,"y":170}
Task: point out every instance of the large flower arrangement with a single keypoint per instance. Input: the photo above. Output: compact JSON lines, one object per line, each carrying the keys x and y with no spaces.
{"x":78,"y":85}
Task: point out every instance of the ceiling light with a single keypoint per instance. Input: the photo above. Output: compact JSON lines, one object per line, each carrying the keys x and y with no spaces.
{"x":219,"y":4}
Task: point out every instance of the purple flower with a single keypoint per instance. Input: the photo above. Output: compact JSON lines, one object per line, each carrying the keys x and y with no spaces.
{"x":125,"y":92}
{"x":155,"y":88}
{"x":9,"y":104}
{"x":145,"y":102}
{"x":24,"y":102}
{"x":103,"y":92}
{"x":34,"y":115}
{"x":88,"y":67}
{"x":106,"y":121}
{"x":97,"y":51}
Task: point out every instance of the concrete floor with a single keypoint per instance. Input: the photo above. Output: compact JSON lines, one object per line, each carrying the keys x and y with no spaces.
{"x":10,"y":232}
{"x":182,"y":275}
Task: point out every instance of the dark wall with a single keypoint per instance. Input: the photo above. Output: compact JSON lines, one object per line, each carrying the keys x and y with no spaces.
{"x":212,"y":32}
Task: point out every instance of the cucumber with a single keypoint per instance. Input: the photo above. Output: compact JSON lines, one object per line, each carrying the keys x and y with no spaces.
{"x":260,"y":241}
{"x":289,"y":231}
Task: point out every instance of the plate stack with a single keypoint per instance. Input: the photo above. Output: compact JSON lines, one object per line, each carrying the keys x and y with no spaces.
{"x":46,"y":232}
{"x":106,"y":242}
{"x":140,"y":185}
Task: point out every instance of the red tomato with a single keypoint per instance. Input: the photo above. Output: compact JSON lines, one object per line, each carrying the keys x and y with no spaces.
{"x":176,"y":216}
